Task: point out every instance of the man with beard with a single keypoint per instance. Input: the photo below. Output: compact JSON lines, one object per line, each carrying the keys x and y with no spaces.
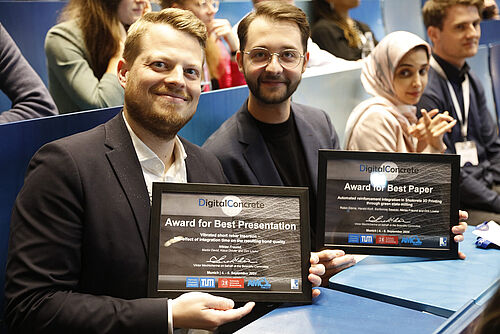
{"x":271,"y":140}
{"x":80,"y":226}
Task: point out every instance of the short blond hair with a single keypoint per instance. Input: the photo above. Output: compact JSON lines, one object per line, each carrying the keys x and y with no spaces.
{"x":179,"y":19}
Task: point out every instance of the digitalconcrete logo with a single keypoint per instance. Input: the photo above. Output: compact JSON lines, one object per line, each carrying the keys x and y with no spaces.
{"x":230,"y":205}
{"x":387,"y":171}
{"x":235,"y":206}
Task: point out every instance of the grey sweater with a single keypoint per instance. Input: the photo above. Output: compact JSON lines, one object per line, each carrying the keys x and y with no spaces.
{"x":72,"y":82}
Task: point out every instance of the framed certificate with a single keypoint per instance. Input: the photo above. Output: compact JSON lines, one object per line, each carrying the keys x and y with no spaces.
{"x":388,"y":203}
{"x":247,"y":243}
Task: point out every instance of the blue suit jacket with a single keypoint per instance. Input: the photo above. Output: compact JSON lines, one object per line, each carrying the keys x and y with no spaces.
{"x":243,"y":153}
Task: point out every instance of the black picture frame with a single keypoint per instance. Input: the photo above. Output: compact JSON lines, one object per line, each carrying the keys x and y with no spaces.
{"x":180,"y":191}
{"x":329,"y":215}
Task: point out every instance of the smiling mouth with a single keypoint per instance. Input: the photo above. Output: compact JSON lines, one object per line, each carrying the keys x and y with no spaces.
{"x":173,"y":97}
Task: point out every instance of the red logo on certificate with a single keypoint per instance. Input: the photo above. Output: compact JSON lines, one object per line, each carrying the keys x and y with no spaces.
{"x":231,"y":283}
{"x":386,"y":239}
{"x":223,"y":283}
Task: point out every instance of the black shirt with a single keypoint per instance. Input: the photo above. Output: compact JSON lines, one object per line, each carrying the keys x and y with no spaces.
{"x":283,"y":142}
{"x":455,"y":77}
{"x":286,"y":150}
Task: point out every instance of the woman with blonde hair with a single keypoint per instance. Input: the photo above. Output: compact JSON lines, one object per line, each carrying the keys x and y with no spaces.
{"x":221,"y":70}
{"x":395,"y":74}
{"x":83,"y":51}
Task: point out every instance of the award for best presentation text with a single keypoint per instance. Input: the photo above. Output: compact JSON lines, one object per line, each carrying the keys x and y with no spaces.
{"x":242,"y":242}
{"x":388,"y":203}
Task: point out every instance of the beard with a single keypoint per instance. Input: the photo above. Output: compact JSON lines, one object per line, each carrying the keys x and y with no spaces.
{"x":268,"y":97}
{"x":163,"y":120}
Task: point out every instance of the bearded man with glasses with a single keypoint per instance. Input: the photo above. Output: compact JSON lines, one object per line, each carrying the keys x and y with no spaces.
{"x":271,"y":140}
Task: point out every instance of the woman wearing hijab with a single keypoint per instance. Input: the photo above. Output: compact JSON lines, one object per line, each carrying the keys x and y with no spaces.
{"x":395,"y":74}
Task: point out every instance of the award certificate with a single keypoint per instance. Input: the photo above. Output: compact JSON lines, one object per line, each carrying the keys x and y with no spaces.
{"x":247,"y":243}
{"x":388,"y":203}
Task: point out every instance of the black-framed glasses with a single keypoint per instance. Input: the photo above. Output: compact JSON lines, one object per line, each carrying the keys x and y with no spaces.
{"x":261,"y":57}
{"x":205,"y":4}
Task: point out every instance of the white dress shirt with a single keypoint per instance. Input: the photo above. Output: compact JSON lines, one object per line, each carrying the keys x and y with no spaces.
{"x":153,"y":168}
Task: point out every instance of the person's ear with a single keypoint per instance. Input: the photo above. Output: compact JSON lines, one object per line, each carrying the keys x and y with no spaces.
{"x":122,"y":72}
{"x":239,"y":60}
{"x":306,"y":60}
{"x":434,"y":34}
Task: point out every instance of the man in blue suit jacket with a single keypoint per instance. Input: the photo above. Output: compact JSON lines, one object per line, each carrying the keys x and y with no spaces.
{"x":270,"y":140}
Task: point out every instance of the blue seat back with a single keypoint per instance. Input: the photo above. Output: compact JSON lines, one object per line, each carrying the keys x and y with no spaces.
{"x":495,"y":74}
{"x":370,"y":12}
{"x":20,"y":141}
{"x":480,"y":65}
{"x":27,"y":24}
{"x":490,"y":32}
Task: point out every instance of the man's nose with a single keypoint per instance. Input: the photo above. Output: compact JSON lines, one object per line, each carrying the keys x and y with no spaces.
{"x":175,"y":77}
{"x":274,"y":64}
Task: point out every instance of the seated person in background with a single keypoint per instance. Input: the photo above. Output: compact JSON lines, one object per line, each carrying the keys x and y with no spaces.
{"x":320,"y":61}
{"x":79,"y":241}
{"x":490,"y":11}
{"x":222,"y":71}
{"x":22,"y":85}
{"x":454,"y":28}
{"x":395,"y":73}
{"x":334,"y":31}
{"x":84,"y":49}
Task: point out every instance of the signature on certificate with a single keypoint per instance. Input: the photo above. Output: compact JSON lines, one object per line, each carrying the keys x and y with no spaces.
{"x":224,"y":259}
{"x":380,"y":219}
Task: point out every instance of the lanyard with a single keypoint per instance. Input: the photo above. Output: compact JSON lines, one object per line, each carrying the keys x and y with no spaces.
{"x":465,"y":93}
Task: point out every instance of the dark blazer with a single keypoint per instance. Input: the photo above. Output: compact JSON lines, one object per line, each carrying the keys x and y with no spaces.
{"x":79,"y":237}
{"x":243,"y":153}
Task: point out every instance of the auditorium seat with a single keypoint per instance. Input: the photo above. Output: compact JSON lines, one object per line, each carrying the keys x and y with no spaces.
{"x":480,"y":65}
{"x":370,"y":12}
{"x":28,"y":22}
{"x":20,"y":140}
{"x":495,"y":74}
{"x":490,"y":32}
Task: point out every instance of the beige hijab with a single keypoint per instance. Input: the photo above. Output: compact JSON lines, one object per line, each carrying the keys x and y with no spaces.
{"x":377,"y":77}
